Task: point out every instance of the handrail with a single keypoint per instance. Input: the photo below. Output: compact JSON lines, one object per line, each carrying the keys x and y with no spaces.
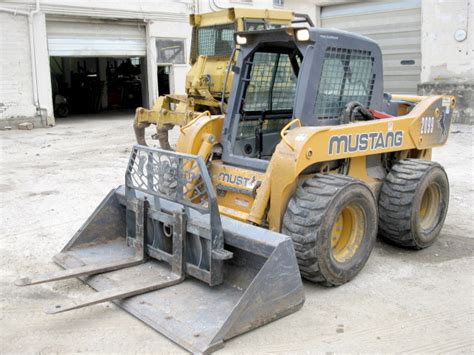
{"x":285,"y":130}
{"x":304,"y":18}
{"x":226,"y":78}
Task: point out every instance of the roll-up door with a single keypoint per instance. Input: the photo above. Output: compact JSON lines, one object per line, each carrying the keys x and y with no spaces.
{"x":396,"y":26}
{"x":96,"y":39}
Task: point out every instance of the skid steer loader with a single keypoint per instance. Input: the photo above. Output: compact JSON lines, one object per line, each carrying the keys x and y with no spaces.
{"x":310,"y":161}
{"x":208,"y":82}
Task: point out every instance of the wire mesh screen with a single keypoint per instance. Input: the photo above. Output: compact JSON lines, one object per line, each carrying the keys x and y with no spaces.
{"x":272,"y":83}
{"x":216,"y":41}
{"x":172,"y":176}
{"x":346,"y":76}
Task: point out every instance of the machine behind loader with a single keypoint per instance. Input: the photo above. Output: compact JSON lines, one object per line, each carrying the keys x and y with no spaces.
{"x":310,"y":161}
{"x":208,"y":82}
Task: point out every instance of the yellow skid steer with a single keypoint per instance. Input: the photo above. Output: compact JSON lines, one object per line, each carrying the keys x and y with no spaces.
{"x":311,"y":161}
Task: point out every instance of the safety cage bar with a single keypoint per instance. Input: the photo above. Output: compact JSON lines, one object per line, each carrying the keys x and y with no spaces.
{"x":183,"y":179}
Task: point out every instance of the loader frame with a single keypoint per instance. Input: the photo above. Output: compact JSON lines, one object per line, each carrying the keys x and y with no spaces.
{"x":146,"y":173}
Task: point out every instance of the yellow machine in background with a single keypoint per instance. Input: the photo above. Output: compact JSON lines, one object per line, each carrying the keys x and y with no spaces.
{"x":207,"y":82}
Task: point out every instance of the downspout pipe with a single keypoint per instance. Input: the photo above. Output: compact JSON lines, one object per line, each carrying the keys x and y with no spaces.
{"x":30,"y":15}
{"x":33,"y":52}
{"x":214,"y":6}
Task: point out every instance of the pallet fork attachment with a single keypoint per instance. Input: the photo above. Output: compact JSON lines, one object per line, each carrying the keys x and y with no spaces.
{"x":158,"y":248}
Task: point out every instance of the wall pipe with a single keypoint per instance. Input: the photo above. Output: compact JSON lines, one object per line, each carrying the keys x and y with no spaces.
{"x":30,"y":15}
{"x":215,"y":6}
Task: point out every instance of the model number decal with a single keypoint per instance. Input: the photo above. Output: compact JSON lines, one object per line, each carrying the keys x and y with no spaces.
{"x":427,"y":125}
{"x":350,"y":143}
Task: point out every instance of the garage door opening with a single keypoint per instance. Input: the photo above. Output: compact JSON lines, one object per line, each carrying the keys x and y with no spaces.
{"x":85,"y":85}
{"x":97,"y":66}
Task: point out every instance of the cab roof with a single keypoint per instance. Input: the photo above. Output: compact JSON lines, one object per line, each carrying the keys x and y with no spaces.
{"x":289,"y":34}
{"x":232,"y":14}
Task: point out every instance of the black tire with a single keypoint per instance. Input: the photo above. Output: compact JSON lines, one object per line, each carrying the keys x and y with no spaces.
{"x":309,"y":220}
{"x":408,"y":216}
{"x":62,"y":111}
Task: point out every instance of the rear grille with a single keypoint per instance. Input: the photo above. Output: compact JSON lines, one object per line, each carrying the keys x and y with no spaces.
{"x":346,"y":76}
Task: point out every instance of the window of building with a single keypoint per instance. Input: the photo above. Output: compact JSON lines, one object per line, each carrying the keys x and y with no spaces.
{"x":170,"y":51}
{"x":346,"y":76}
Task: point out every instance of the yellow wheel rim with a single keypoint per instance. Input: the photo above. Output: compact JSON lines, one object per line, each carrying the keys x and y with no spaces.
{"x":428,"y":214}
{"x":347,"y":233}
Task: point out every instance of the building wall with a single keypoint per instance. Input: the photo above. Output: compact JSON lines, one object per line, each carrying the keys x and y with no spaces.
{"x":16,"y":86}
{"x":167,"y":29}
{"x":304,"y":7}
{"x":444,"y":58}
{"x":313,"y":7}
{"x":106,"y":8}
{"x":162,"y":18}
{"x":202,"y":6}
{"x":448,"y":64}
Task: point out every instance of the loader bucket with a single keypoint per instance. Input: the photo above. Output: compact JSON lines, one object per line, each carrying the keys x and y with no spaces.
{"x":173,"y":262}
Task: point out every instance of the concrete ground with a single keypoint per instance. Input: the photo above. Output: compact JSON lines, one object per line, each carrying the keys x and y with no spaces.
{"x":52,"y":179}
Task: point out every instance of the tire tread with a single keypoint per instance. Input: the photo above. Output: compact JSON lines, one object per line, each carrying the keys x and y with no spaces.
{"x":305,"y":213}
{"x":396,"y":197}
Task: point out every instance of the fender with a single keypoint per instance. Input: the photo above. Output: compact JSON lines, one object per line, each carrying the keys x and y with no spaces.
{"x":192,"y":135}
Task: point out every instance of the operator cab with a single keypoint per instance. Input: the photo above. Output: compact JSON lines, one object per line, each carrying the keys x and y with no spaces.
{"x":283,"y":74}
{"x":267,"y":100}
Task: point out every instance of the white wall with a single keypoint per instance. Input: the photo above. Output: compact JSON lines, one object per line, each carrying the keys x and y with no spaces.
{"x":16,"y":85}
{"x":443,"y":58}
{"x":166,"y":18}
{"x":216,"y":5}
{"x":179,"y":30}
{"x":313,"y":7}
{"x":307,"y":7}
{"x":106,"y":8}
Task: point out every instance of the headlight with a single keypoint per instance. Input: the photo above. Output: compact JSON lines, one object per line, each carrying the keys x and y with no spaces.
{"x":241,"y":39}
{"x":302,"y":35}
